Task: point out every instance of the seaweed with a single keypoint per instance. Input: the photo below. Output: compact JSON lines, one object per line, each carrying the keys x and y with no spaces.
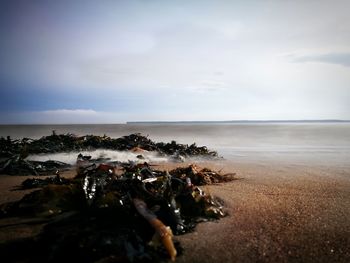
{"x":103,"y":216}
{"x":55,"y":143}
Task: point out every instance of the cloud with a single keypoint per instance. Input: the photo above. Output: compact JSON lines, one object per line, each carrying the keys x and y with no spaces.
{"x":121,"y":61}
{"x":342,"y":59}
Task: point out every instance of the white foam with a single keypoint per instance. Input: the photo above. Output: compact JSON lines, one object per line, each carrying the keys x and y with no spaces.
{"x":121,"y":156}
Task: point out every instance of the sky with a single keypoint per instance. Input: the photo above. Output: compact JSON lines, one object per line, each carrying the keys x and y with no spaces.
{"x":118,"y":61}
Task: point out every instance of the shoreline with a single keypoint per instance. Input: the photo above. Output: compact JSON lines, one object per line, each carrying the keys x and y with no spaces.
{"x":278,"y":212}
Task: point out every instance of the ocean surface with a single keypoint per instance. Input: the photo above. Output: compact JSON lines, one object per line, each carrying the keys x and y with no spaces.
{"x":321,"y":143}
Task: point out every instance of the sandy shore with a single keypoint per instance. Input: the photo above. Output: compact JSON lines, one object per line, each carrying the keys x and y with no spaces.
{"x":278,"y":212}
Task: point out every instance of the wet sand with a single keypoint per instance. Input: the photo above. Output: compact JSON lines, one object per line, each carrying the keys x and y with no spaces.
{"x":278,"y":212}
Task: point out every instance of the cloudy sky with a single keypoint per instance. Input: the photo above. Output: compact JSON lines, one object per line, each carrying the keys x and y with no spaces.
{"x":116,"y":61}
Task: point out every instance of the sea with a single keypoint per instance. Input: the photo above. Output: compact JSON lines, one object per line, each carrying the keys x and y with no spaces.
{"x":326,"y":143}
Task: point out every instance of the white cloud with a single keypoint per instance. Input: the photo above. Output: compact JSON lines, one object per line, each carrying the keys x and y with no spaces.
{"x":223,"y":52}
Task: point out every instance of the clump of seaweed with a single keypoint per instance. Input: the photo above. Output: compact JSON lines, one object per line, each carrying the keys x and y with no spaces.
{"x":104,"y":215}
{"x":201,"y":176}
{"x":55,"y":143}
{"x":14,"y":153}
{"x":17,"y":165}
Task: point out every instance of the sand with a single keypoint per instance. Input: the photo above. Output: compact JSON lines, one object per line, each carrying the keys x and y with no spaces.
{"x":278,"y":212}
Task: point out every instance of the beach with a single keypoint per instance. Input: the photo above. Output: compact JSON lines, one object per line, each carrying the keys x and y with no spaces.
{"x":278,"y":212}
{"x":149,"y":131}
{"x":289,"y":202}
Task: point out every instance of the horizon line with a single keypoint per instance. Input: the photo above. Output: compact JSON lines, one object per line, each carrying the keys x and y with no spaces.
{"x":244,"y":121}
{"x":192,"y":121}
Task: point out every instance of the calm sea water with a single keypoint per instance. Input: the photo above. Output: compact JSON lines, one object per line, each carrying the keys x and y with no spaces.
{"x":297,"y":142}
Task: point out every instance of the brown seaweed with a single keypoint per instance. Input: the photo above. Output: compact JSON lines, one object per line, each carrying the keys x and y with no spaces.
{"x":103,"y":216}
{"x":55,"y":143}
{"x":201,"y":176}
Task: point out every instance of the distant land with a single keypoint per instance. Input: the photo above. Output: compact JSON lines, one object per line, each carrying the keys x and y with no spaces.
{"x":179,"y":122}
{"x":238,"y":121}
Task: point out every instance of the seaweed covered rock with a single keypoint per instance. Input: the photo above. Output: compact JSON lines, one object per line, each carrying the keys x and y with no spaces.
{"x":68,"y":142}
{"x":135,"y":140}
{"x":14,"y":153}
{"x":173,"y":148}
{"x":102,"y":216}
{"x":55,"y":143}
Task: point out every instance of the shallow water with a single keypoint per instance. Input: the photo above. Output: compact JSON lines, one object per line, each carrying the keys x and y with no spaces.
{"x":324,"y":143}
